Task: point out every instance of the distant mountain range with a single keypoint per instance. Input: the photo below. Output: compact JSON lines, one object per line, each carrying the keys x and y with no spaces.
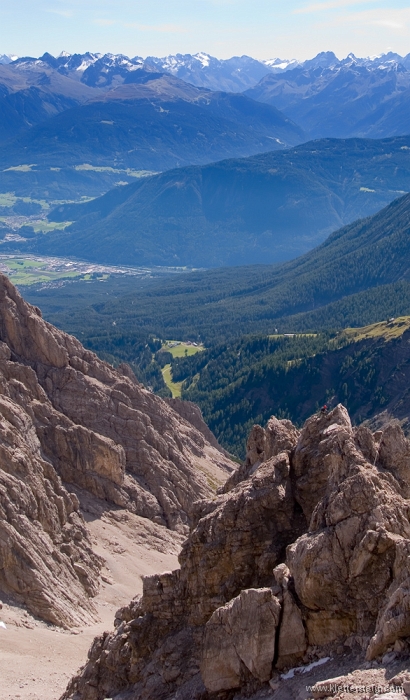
{"x":75,"y":126}
{"x":263,"y":209}
{"x":7,"y":58}
{"x":234,"y":74}
{"x":34,"y":95}
{"x":111,"y":114}
{"x":52,"y":116}
{"x":342,"y":98}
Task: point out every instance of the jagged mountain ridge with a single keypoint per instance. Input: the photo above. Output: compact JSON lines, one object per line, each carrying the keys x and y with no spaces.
{"x":341,"y":99}
{"x":7,"y":58}
{"x":233,"y":74}
{"x":68,"y":418}
{"x":227,"y":621}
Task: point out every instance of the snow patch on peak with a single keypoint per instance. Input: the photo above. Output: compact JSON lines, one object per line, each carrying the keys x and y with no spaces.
{"x":7,"y":58}
{"x":278,"y":64}
{"x":203,"y":58}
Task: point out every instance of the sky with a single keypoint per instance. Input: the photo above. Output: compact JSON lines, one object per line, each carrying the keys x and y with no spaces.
{"x":223,"y":28}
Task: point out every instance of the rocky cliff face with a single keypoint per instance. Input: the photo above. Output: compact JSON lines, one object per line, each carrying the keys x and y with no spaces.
{"x":307,"y":552}
{"x":68,"y":418}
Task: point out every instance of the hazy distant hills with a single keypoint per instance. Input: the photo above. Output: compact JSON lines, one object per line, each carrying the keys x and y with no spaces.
{"x":53,"y":117}
{"x":343,"y":99}
{"x":155,"y":124}
{"x":35,"y":95}
{"x":58,"y":114}
{"x":263,"y":209}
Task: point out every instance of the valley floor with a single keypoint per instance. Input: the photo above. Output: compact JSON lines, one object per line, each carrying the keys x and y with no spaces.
{"x":37,"y":660}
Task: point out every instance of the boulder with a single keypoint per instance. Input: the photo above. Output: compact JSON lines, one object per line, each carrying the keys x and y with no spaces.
{"x":240,"y":636}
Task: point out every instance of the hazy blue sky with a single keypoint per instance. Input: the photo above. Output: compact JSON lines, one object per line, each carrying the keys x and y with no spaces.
{"x":260,"y":28}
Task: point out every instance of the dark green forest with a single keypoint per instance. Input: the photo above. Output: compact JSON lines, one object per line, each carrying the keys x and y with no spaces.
{"x":246,"y":382}
{"x":250,"y":369}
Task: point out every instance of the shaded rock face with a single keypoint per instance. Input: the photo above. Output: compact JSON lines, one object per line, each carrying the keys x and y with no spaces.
{"x":243,"y":604}
{"x":46,"y":560}
{"x":68,"y":418}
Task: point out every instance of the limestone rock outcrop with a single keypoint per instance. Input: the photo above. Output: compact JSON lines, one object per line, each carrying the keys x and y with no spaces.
{"x":235,"y":541}
{"x":263,"y":443}
{"x":240,"y":634}
{"x":192,"y":413}
{"x":46,"y":560}
{"x":67,"y":418}
{"x":308,"y":551}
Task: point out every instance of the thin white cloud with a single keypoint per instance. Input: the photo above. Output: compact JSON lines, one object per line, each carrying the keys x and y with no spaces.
{"x":61,"y":13}
{"x":389,"y":23}
{"x":330,"y":5}
{"x":395,"y":19}
{"x":162,"y":28}
{"x":105,"y":22}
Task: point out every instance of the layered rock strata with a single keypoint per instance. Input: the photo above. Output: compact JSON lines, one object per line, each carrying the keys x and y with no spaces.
{"x":46,"y":560}
{"x":66,"y":418}
{"x":309,"y":551}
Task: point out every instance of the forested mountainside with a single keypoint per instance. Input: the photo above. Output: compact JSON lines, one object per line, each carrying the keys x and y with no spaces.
{"x":266,"y":208}
{"x":358,"y":275}
{"x":242,"y":383}
{"x":155,"y":124}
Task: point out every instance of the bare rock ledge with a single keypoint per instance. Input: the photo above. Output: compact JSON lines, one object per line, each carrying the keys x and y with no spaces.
{"x":304,"y":552}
